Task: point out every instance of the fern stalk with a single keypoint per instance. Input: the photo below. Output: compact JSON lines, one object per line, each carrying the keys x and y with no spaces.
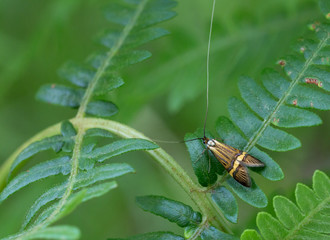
{"x":114,"y":50}
{"x":255,"y":137}
{"x":196,"y":193}
{"x":80,"y":128}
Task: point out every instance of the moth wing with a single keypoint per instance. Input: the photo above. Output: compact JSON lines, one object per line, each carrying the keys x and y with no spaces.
{"x":223,"y":158}
{"x":250,"y":161}
{"x":241,"y":175}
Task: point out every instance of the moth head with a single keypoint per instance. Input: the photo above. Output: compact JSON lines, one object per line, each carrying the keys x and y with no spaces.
{"x":208,"y":142}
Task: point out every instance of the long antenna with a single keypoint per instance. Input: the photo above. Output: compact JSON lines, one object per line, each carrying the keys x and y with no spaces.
{"x":208,"y":66}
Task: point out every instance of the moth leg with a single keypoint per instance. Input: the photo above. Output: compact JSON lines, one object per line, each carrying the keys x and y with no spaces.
{"x":208,"y":154}
{"x":199,"y":157}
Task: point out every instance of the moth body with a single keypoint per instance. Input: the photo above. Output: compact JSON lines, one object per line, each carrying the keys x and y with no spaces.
{"x":234,"y":161}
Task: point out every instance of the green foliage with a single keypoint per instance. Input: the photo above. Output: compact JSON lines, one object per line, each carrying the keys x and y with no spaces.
{"x":88,"y":87}
{"x":92,"y":82}
{"x":309,"y":218}
{"x":205,"y":173}
{"x":182,"y":215}
{"x":302,"y":82}
{"x":116,"y":148}
{"x":85,"y":179}
{"x":57,"y":232}
{"x":213,"y":233}
{"x":153,"y":235}
{"x":255,"y":121}
{"x":226,"y":202}
{"x":42,"y":170}
{"x":174,"y":211}
{"x":325,"y":8}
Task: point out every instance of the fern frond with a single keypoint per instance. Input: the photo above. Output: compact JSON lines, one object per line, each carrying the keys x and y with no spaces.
{"x":309,"y":218}
{"x":92,"y":82}
{"x":285,"y":100}
{"x":88,"y":88}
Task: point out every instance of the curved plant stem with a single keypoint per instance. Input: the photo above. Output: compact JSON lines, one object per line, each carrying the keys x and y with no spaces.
{"x":196,"y":193}
{"x":168,"y":163}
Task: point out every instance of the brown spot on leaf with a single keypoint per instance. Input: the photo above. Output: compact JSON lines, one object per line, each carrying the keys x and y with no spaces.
{"x":281,"y":62}
{"x":314,"y":81}
{"x":294,"y":102}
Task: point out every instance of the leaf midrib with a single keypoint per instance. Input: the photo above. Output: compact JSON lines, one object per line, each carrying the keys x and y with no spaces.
{"x":258,"y":134}
{"x":307,"y":219}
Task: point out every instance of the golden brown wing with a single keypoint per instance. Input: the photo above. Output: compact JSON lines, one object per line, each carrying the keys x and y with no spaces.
{"x":224,"y":153}
{"x":241,"y":175}
{"x":250,"y":161}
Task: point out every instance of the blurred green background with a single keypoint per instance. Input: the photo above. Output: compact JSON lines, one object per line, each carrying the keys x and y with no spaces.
{"x":164,"y":97}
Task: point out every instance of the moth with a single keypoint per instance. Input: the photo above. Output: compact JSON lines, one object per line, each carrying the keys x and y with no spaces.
{"x":234,"y":161}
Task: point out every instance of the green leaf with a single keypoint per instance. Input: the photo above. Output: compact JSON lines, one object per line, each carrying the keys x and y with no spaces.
{"x":306,"y":198}
{"x":117,"y":148}
{"x":154,"y":12}
{"x":145,"y":35}
{"x":75,"y":200}
{"x":250,"y":235}
{"x":309,"y":219}
{"x":109,"y":38}
{"x":226,"y":202}
{"x":212,"y":233}
{"x":54,"y":142}
{"x":152,"y":236}
{"x":272,"y":138}
{"x":123,"y":60}
{"x":200,"y":161}
{"x":76,"y":74}
{"x":99,"y":190}
{"x":84,"y":179}
{"x":263,"y":104}
{"x":325,"y":8}
{"x":287,"y":212}
{"x":107,"y":83}
{"x":174,"y":211}
{"x":301,"y":95}
{"x":72,"y":203}
{"x":270,"y":227}
{"x":42,"y":170}
{"x":57,"y":232}
{"x":321,"y":184}
{"x":205,"y":165}
{"x":86,"y":163}
{"x":99,"y":75}
{"x":119,"y":13}
{"x":101,"y":108}
{"x":68,"y":131}
{"x":252,"y":195}
{"x":60,"y":95}
{"x":98,"y":132}
{"x":231,"y":136}
{"x":131,"y":57}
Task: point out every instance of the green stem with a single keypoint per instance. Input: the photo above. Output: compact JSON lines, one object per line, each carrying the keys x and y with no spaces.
{"x":196,"y":193}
